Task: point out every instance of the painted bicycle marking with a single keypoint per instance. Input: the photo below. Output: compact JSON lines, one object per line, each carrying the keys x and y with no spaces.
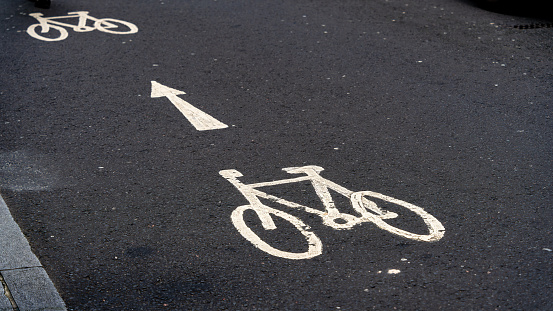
{"x":46,"y":24}
{"x":331,"y":216}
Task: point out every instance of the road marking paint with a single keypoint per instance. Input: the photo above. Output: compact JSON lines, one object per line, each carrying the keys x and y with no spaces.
{"x":45,"y":24}
{"x":367,"y":209}
{"x":199,"y":119}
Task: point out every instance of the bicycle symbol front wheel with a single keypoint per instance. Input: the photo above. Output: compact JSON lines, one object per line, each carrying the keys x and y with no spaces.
{"x":115,"y":26}
{"x":47,"y":30}
{"x":315,"y":247}
{"x":435,"y":228}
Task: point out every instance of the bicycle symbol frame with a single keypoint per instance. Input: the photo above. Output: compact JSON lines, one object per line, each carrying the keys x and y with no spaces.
{"x":108,"y":25}
{"x":331,"y":216}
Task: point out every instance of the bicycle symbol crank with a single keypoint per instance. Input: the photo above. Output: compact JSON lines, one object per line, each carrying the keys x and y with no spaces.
{"x":331,"y":216}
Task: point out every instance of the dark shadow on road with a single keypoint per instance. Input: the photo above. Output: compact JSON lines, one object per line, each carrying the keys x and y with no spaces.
{"x":524,"y":8}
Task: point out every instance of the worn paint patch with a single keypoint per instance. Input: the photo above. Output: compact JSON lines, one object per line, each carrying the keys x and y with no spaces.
{"x":27,"y":171}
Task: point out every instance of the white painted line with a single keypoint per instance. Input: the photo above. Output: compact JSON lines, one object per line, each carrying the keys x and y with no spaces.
{"x":27,"y":281}
{"x":199,"y":119}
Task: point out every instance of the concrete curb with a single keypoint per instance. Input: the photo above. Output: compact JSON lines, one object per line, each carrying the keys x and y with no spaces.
{"x":25,"y":284}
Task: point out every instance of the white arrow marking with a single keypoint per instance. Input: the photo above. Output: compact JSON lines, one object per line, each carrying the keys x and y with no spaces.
{"x":199,"y":119}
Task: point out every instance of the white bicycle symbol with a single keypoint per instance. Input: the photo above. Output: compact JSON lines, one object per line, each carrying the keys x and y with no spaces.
{"x":331,"y":216}
{"x":108,"y":25}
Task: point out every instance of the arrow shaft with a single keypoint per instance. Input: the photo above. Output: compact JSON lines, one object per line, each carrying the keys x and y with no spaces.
{"x":199,"y":119}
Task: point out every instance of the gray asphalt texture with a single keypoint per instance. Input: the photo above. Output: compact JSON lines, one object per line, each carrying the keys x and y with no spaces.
{"x":441,"y":104}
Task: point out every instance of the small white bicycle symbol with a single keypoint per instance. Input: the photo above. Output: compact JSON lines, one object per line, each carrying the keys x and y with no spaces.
{"x":46,"y":24}
{"x":331,"y":216}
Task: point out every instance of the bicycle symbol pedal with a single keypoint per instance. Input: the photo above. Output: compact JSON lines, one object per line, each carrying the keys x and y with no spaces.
{"x":331,"y":216}
{"x":46,"y":24}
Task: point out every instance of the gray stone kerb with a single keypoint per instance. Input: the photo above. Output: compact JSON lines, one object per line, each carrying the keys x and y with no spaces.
{"x":25,"y":284}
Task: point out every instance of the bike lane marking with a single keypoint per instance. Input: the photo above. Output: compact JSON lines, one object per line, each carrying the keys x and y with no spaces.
{"x":199,"y":119}
{"x":25,"y":279}
{"x":331,"y":216}
{"x":107,"y":25}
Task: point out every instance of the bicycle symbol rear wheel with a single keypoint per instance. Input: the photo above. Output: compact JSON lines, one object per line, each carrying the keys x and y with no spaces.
{"x":115,"y":26}
{"x":435,"y":228}
{"x":62,"y":32}
{"x":315,"y":247}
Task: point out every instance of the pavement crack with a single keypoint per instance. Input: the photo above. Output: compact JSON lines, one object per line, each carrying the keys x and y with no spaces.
{"x":8,"y":294}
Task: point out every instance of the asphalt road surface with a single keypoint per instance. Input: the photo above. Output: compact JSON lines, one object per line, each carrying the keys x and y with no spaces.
{"x":114,"y":150}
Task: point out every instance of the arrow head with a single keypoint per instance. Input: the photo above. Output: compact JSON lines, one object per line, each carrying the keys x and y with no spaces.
{"x":160,"y":90}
